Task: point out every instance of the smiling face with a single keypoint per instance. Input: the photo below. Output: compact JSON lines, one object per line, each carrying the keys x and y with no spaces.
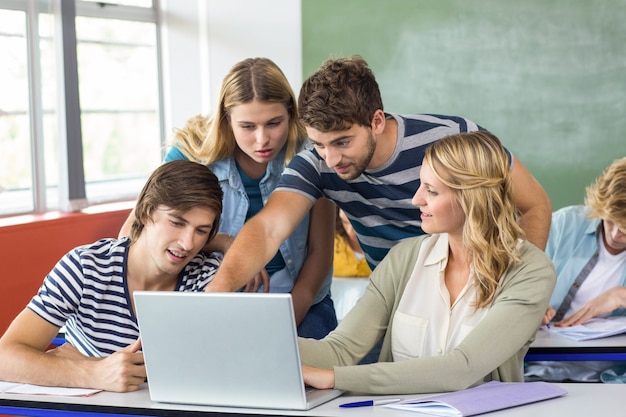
{"x":170,"y":239}
{"x":441,"y":212}
{"x":260,"y":130}
{"x":614,"y":237}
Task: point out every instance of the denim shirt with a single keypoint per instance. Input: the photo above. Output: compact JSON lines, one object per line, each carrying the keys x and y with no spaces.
{"x":572,"y":242}
{"x":235,"y":208}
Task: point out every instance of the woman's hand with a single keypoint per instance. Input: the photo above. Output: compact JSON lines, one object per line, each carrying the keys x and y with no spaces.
{"x":318,"y":378}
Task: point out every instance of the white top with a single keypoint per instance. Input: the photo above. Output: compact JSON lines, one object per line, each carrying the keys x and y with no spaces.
{"x":606,"y":274}
{"x":425,"y":324}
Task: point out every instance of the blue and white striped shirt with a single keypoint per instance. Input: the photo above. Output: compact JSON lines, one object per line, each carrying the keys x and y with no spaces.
{"x":378,"y":203}
{"x":87,"y":292}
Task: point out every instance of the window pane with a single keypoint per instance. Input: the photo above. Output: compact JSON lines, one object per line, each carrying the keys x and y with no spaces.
{"x":15,"y":159}
{"x":139,"y":3}
{"x":118,"y":87}
{"x":49,"y":103}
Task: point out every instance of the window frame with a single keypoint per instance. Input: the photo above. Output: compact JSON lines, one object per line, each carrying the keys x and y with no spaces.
{"x":72,"y":185}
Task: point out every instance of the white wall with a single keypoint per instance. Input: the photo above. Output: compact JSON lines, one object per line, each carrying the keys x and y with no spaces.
{"x":202,"y":39}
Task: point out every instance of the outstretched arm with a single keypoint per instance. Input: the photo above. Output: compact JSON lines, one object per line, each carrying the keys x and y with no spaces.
{"x":23,"y":359}
{"x":533,"y":203}
{"x":319,"y":258}
{"x":259,"y":239}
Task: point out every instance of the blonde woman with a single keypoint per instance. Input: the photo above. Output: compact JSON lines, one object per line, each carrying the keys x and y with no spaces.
{"x":457,"y":307}
{"x":253,"y":133}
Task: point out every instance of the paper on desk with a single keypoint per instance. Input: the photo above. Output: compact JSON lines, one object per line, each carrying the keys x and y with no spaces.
{"x":491,"y":396}
{"x":593,"y":328}
{"x":15,"y":388}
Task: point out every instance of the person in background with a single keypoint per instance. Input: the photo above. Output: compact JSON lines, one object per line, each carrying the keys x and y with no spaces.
{"x":252,"y":134}
{"x":90,"y":290}
{"x":445,"y":302}
{"x":594,"y":233}
{"x":368,"y":163}
{"x":587,"y":245}
{"x":349,"y":259}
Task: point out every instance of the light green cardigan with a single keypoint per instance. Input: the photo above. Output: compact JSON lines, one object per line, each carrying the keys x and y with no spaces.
{"x":493,"y":350}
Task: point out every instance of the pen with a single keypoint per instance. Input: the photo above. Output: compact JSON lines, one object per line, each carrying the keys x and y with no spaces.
{"x":369,"y":403}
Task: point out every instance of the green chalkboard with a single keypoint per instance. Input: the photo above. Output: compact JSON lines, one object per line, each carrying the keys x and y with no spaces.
{"x":547,"y":77}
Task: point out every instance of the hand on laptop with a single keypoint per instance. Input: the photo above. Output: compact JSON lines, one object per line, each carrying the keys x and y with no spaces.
{"x":318,"y":378}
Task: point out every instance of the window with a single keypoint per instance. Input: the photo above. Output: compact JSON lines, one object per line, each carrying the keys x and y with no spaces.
{"x":117,"y":104}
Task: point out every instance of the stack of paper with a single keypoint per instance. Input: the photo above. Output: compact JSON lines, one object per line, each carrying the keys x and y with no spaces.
{"x":15,"y":388}
{"x":593,"y":328}
{"x":484,"y":398}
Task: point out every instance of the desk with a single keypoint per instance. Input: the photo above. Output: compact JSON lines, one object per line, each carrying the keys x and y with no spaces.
{"x":583,"y":400}
{"x":552,"y":347}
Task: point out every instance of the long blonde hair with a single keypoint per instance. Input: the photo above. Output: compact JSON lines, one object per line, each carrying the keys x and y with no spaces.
{"x":477,"y":168}
{"x":207,"y":140}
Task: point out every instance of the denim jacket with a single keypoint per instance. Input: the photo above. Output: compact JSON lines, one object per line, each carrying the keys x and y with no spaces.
{"x":572,"y":242}
{"x":235,"y":207}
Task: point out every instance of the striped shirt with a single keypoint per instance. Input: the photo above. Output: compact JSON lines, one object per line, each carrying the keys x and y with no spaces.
{"x":88,"y":293}
{"x":378,"y":203}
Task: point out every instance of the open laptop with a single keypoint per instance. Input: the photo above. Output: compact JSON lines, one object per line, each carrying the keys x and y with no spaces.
{"x":223,"y":349}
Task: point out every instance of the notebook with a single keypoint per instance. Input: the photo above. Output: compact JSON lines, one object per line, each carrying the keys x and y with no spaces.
{"x":485,"y":398}
{"x":223,"y":349}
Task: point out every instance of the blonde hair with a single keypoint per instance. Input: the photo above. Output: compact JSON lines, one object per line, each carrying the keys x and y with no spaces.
{"x":207,"y":140}
{"x":476,"y":167}
{"x":606,"y":198}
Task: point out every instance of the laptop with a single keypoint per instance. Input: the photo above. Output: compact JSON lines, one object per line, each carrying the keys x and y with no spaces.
{"x":223,"y":349}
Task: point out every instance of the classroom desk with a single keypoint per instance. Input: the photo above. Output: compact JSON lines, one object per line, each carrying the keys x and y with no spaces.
{"x":552,"y":347}
{"x":583,"y":400}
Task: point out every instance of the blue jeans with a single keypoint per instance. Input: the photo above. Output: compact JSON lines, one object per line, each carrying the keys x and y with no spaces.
{"x":319,"y":320}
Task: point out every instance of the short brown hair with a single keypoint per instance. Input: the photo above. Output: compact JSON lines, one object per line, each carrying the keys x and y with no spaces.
{"x":180,"y":185}
{"x":340,"y":93}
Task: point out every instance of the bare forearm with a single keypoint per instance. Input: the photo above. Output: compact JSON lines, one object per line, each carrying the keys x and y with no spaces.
{"x":319,"y":260}
{"x":220,"y":243}
{"x":302,"y":299}
{"x":536,"y":225}
{"x":247,"y":255}
{"x":311,"y":278}
{"x":30,"y":366}
{"x":259,"y":239}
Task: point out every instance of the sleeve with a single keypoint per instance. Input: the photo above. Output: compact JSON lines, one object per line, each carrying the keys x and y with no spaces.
{"x":303,"y":176}
{"x":200,"y":271}
{"x":353,"y":339}
{"x":504,"y":333}
{"x":59,"y":295}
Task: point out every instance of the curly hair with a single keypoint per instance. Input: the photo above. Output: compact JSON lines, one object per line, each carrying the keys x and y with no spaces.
{"x":181,"y":186}
{"x":210,"y":139}
{"x":606,"y":198}
{"x":342,"y":92}
{"x":476,"y":167}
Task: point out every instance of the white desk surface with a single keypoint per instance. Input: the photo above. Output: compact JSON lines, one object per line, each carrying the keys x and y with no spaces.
{"x":583,"y":400}
{"x":546,"y":339}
